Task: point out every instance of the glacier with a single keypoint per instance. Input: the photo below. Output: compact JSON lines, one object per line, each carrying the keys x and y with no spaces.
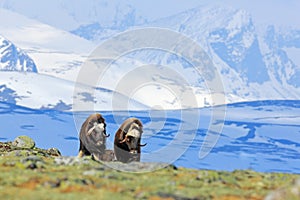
{"x":265,"y":139}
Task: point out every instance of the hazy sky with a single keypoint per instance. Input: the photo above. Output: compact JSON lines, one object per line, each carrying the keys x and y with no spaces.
{"x":276,"y":11}
{"x":280,"y":12}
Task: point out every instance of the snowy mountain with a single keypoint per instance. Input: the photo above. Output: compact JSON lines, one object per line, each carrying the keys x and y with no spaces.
{"x":281,"y":54}
{"x":14,"y":59}
{"x":124,"y":16}
{"x":85,"y":19}
{"x":55,"y":52}
{"x":39,"y":91}
{"x":239,"y":49}
{"x":243,"y":51}
{"x":251,"y":58}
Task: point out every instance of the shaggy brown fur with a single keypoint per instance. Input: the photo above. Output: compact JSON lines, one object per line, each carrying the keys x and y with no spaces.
{"x":93,"y":137}
{"x":128,"y":148}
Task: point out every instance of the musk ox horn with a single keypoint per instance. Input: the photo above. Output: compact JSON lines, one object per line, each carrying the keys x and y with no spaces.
{"x":142,"y":145}
{"x":91,"y":130}
{"x":124,"y":140}
{"x":106,"y":135}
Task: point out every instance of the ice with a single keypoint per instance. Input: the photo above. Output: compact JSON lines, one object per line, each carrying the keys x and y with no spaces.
{"x":244,"y":142}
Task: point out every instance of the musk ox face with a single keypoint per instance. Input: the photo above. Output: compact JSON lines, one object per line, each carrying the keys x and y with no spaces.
{"x":98,"y":132}
{"x":133,"y":138}
{"x":93,"y":136}
{"x":127,"y":140}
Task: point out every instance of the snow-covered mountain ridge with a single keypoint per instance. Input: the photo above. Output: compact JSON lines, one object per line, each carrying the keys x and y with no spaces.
{"x":13,"y":58}
{"x":252,"y":58}
{"x":255,"y":61}
{"x":40,"y":91}
{"x":54,"y":51}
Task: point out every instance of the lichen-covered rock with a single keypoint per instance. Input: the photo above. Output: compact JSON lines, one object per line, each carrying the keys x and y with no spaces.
{"x":24,"y":142}
{"x":53,"y":152}
{"x":5,"y":147}
{"x":19,"y":153}
{"x":24,"y":146}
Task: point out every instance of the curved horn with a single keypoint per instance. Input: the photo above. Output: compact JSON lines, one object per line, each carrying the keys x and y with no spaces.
{"x":142,"y":145}
{"x":106,"y":135}
{"x":91,"y":130}
{"x":124,"y":140}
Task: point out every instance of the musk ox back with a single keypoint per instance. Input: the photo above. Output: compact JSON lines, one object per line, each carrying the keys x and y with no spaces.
{"x":93,"y":137}
{"x":127,"y":142}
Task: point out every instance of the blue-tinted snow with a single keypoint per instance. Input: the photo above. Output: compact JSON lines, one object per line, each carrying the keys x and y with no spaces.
{"x":263,"y":136}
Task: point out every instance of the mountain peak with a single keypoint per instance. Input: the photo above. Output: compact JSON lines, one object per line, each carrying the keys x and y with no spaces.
{"x":239,"y":19}
{"x":13,"y":58}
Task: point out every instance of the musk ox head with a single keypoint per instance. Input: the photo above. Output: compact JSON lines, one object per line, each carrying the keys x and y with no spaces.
{"x":127,"y":143}
{"x":93,"y":136}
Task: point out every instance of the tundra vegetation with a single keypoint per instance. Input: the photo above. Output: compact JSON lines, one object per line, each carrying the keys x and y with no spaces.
{"x":29,"y":172}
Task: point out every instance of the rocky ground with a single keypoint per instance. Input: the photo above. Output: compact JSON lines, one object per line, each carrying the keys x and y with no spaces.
{"x":28,"y":172}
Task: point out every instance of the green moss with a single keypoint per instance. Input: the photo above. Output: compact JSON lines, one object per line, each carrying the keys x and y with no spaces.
{"x":37,"y":174}
{"x":24,"y":141}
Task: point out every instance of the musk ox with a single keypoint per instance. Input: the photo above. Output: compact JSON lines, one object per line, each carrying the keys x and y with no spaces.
{"x":93,"y":137}
{"x":127,"y":142}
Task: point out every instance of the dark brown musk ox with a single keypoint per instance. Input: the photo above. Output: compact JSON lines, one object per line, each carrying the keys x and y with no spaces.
{"x":92,"y":138}
{"x":127,"y":142}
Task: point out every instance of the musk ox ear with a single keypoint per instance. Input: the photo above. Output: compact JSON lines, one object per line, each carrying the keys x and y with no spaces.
{"x":100,"y":118}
